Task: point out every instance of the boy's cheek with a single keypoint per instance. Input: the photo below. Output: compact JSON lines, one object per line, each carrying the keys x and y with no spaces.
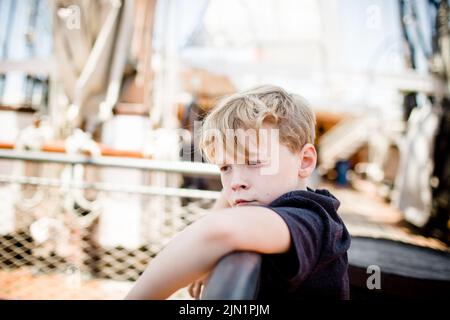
{"x":226,"y":195}
{"x":230,"y":203}
{"x":224,"y":184}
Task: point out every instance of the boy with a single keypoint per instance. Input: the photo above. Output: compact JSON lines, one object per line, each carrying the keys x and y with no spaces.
{"x":265,"y":206}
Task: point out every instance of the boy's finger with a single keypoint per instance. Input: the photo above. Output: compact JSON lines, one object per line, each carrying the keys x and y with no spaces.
{"x":195,"y":291}
{"x":198,"y":287}
{"x":202,"y":288}
{"x":191,"y":290}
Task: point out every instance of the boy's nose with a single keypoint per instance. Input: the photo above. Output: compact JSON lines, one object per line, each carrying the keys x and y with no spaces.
{"x":239,"y":179}
{"x":239,"y":184}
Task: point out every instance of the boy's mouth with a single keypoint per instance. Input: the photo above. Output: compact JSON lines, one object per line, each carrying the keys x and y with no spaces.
{"x":241,"y":202}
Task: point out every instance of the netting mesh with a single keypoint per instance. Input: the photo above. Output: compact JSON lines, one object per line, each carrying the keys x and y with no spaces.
{"x":59,"y":238}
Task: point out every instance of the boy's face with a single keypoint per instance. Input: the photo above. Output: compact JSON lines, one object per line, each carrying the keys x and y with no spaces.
{"x":272,"y":171}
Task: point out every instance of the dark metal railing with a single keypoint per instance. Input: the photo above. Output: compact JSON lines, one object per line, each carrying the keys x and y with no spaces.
{"x":236,"y":277}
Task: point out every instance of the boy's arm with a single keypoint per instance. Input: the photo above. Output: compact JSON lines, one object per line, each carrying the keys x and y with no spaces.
{"x":197,"y":249}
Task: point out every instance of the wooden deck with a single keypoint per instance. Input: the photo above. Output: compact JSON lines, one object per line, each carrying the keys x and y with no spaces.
{"x":22,"y":284}
{"x":366,"y":214}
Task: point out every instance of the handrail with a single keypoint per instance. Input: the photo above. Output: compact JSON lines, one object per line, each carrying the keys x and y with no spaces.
{"x":183,"y":167}
{"x":59,"y":147}
{"x":112,"y":187}
{"x":236,"y":277}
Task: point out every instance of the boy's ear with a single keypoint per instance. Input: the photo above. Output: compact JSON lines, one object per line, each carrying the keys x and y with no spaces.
{"x":308,"y":158}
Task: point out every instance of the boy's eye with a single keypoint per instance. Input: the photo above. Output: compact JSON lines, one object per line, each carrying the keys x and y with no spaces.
{"x":224,"y":168}
{"x":254,"y":163}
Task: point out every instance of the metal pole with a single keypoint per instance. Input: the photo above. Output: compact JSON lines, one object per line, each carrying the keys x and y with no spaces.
{"x":183,"y":167}
{"x":111,"y":187}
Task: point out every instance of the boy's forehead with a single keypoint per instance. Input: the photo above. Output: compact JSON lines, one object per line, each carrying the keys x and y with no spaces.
{"x":244,"y":149}
{"x":238,"y":157}
{"x":254,"y":137}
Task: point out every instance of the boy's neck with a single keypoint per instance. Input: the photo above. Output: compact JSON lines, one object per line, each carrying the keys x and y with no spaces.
{"x":301,"y":185}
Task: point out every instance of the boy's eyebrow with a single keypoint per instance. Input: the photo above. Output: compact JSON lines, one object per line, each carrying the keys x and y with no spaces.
{"x":260,"y":159}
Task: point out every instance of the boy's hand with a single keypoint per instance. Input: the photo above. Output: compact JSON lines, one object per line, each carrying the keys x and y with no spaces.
{"x":196,"y":288}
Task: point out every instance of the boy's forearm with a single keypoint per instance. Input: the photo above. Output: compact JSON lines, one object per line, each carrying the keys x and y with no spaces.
{"x":197,"y":249}
{"x":188,"y":256}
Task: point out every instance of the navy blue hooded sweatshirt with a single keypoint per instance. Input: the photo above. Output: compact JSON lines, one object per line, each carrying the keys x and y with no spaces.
{"x":316,"y":264}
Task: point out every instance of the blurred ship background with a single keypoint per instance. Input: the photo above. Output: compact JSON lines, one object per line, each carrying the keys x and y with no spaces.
{"x":99,"y":99}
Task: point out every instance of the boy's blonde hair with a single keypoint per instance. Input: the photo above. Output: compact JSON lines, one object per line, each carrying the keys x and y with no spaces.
{"x":289,"y":113}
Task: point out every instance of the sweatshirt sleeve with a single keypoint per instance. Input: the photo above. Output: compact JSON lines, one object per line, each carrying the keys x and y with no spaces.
{"x":306,"y":231}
